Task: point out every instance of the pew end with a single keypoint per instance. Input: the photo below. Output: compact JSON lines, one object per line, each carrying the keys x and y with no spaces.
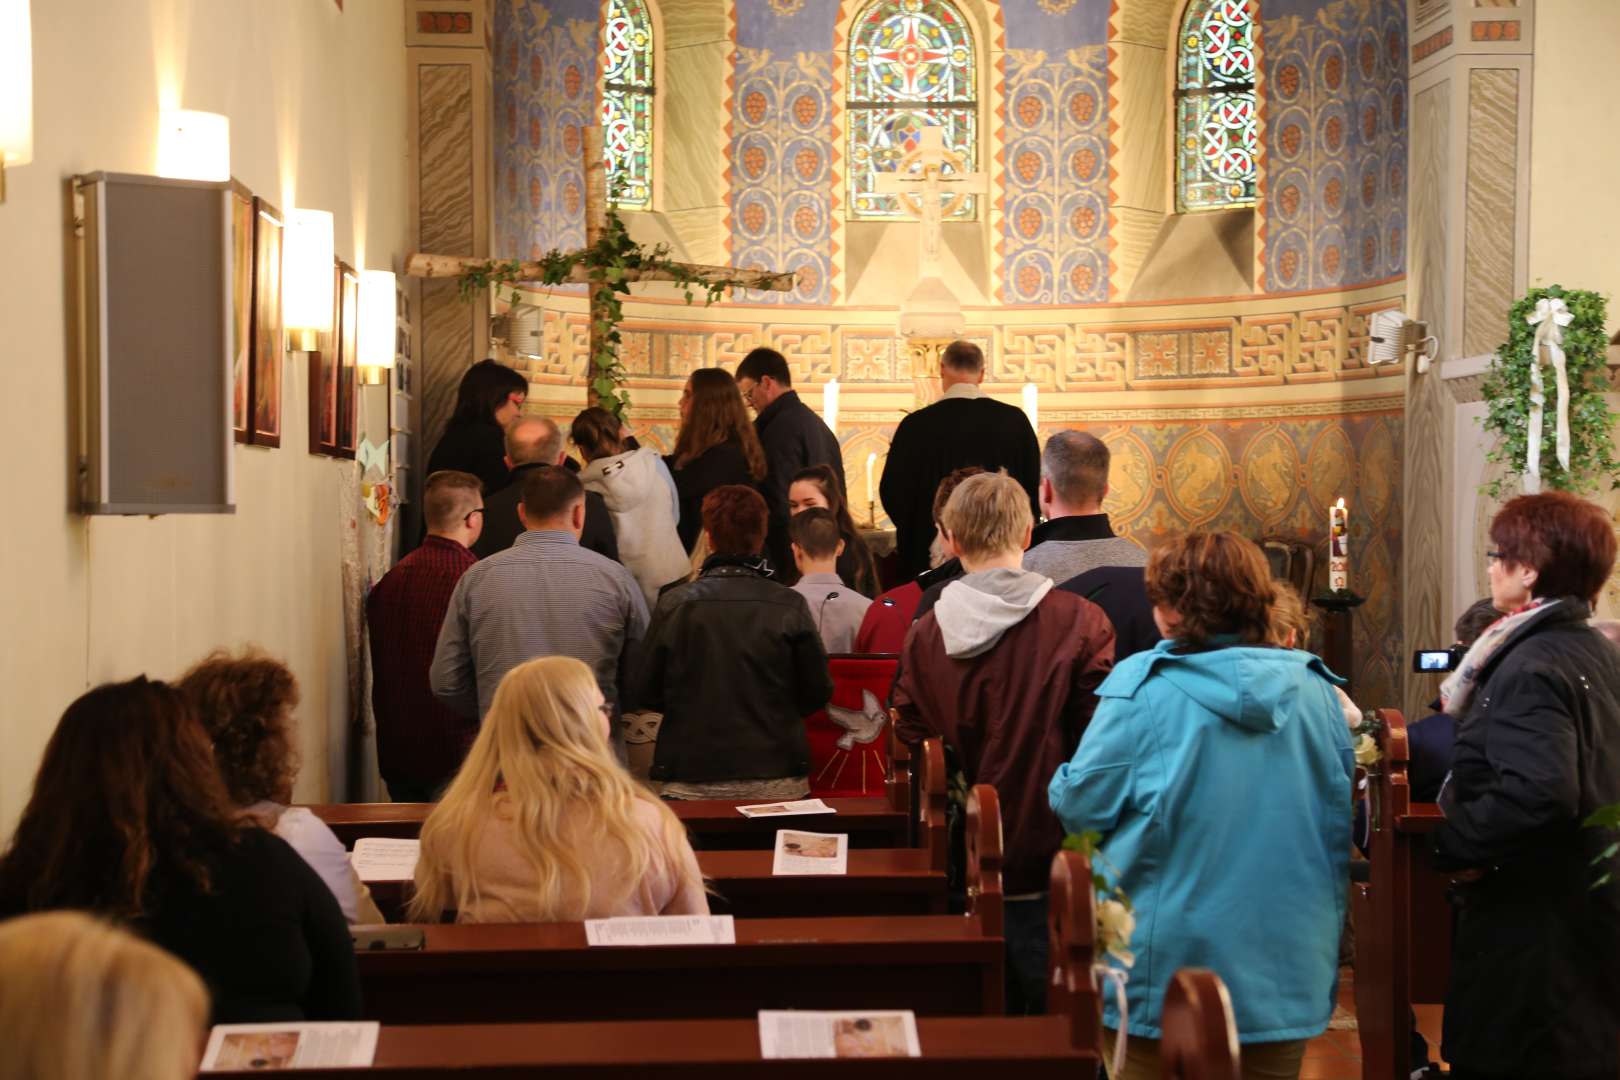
{"x":1073,"y":941}
{"x":931,"y":789}
{"x":898,"y":782}
{"x":1199,"y":1040}
{"x":984,"y":859}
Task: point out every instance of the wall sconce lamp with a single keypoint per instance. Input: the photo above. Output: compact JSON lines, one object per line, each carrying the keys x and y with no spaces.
{"x":307,"y":279}
{"x":375,"y":347}
{"x":194,"y":145}
{"x":16,"y":88}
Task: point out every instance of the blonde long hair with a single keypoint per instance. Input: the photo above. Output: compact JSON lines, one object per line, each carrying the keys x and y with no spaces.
{"x":83,"y":1000}
{"x":572,"y":803}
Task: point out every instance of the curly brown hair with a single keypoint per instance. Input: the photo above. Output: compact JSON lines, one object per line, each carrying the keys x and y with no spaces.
{"x":245,"y":704}
{"x":1218,"y":583}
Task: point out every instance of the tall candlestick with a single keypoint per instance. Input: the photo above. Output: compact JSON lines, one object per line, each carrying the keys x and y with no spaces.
{"x":1338,"y":547}
{"x":1032,"y":395}
{"x":871,"y":467}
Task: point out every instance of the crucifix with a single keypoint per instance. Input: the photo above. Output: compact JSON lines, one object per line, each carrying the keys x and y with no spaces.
{"x":596,"y":203}
{"x":921,"y":182}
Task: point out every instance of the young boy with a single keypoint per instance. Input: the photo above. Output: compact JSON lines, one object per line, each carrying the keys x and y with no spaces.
{"x":835,"y":608}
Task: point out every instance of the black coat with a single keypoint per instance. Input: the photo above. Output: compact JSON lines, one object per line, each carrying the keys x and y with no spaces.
{"x":501,"y":524}
{"x":734,"y":662}
{"x":477,"y":447}
{"x":794,"y":438}
{"x":932,"y":443}
{"x":1535,"y":968}
{"x":715,"y":467}
{"x":1121,"y":591}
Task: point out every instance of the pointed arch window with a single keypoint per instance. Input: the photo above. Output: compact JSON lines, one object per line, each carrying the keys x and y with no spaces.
{"x":1217,"y":111}
{"x":911,"y":65}
{"x":627,"y":101}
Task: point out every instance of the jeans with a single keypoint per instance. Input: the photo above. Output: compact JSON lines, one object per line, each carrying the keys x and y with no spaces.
{"x":1027,"y":945}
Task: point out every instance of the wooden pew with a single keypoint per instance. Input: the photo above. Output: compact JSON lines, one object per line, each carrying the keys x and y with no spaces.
{"x":1199,"y":1040}
{"x":1403,"y":921}
{"x":936,"y":965}
{"x":1059,"y":1046}
{"x":879,"y":881}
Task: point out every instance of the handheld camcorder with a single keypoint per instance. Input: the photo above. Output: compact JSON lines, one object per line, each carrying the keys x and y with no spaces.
{"x":1438,"y":661}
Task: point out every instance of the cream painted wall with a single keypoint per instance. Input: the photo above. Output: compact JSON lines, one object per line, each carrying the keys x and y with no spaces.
{"x":1574,"y":235}
{"x":317,"y":107}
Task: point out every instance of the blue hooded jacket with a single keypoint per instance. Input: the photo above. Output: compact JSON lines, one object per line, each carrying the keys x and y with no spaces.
{"x":1220,"y":780}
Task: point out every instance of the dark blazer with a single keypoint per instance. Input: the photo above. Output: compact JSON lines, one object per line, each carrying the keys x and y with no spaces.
{"x":1121,"y":591}
{"x":734,"y":662}
{"x":501,"y":524}
{"x":477,"y":447}
{"x":794,"y":438}
{"x":715,"y":467}
{"x":1535,"y":954}
{"x":1429,"y":741}
{"x":933,"y":442}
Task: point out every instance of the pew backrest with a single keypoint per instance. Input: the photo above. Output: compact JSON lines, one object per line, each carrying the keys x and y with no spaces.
{"x":984,"y":852}
{"x":1072,"y":926}
{"x":1199,"y":1034}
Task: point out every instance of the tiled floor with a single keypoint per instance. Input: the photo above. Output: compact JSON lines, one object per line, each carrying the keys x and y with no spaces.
{"x":1336,"y":1055}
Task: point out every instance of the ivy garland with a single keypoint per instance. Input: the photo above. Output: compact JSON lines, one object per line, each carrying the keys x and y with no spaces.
{"x":1507,"y":388}
{"x":612,"y":264}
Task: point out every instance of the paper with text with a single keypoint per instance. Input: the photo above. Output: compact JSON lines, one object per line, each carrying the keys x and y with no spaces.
{"x":793,"y":1034}
{"x":786,"y":809}
{"x":663,"y":930}
{"x":263,"y":1047}
{"x":378,"y":858}
{"x":810,"y":853}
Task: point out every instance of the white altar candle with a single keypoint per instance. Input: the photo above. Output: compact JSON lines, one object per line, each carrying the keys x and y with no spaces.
{"x":871,"y":469}
{"x":1032,"y":405}
{"x":829,"y":405}
{"x":1338,"y":547}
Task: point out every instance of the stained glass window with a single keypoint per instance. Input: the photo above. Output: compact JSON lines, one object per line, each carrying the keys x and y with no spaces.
{"x":1217,"y":115}
{"x":911,"y":66}
{"x":627,"y":101}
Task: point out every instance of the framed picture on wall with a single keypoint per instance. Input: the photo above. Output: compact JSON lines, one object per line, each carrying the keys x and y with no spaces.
{"x":323,"y":378}
{"x":268,"y":354}
{"x":242,"y":217}
{"x":348,"y":371}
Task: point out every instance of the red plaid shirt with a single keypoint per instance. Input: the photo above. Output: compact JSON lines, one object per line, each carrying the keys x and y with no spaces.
{"x":418,"y":739}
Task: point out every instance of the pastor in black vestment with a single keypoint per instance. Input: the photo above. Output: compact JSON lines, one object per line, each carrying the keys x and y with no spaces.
{"x":965,"y":427}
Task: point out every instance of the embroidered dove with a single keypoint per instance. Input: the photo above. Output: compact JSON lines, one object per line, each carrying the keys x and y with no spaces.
{"x":859,"y":727}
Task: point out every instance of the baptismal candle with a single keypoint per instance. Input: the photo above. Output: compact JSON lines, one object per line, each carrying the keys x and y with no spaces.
{"x":1338,"y":547}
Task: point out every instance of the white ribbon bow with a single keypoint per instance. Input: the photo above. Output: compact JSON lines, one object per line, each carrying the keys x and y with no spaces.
{"x":1101,"y":975}
{"x":1549,"y":319}
{"x":372,"y":456}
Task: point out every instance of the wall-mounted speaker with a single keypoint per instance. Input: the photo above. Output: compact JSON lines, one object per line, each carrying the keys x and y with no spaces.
{"x":156,"y":332}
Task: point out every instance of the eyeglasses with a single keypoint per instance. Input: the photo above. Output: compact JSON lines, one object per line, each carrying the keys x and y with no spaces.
{"x":1493,"y":556}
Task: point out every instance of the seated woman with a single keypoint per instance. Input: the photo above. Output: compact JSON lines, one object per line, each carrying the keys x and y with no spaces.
{"x":245,"y":704}
{"x":735,"y":664}
{"x":1217,"y":769}
{"x":83,"y":1000}
{"x":641,"y":499}
{"x":818,"y":486}
{"x":542,"y":824}
{"x":129,"y":819}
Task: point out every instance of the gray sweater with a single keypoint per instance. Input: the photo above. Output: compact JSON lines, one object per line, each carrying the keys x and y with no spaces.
{"x":835,"y":608}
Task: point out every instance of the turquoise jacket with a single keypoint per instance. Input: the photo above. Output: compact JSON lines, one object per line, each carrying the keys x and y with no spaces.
{"x":1220,"y":781}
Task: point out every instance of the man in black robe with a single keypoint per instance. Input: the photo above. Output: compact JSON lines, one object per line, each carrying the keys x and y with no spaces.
{"x":965,"y":427}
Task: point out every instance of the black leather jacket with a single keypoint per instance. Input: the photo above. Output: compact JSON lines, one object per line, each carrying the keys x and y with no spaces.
{"x":735,"y":664}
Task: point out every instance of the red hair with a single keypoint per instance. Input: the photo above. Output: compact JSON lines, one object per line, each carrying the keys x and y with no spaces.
{"x":736,"y":519}
{"x":1568,"y":541}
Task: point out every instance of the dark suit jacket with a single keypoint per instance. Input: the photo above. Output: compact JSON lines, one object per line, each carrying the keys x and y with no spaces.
{"x":794,"y":438}
{"x":1121,"y":591}
{"x":501,"y":524}
{"x":931,"y":443}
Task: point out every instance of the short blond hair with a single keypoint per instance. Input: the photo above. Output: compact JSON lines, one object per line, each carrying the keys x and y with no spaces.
{"x":987,"y":515}
{"x":83,"y":999}
{"x":448,"y":497}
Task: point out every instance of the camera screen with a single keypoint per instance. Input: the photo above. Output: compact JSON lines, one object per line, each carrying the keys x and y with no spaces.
{"x":1433,"y":660}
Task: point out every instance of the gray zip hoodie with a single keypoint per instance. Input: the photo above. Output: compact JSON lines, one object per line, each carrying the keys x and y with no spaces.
{"x":975,"y":610}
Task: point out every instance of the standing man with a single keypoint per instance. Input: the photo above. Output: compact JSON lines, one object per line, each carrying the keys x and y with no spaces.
{"x":794,"y":438}
{"x":544,"y":596}
{"x":965,"y":427}
{"x":420,"y":743}
{"x":535,"y":442}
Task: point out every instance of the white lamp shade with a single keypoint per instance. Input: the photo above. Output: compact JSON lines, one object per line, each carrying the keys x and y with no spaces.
{"x":376,"y":332}
{"x":16,"y":84}
{"x":194,"y":145}
{"x":829,"y":405}
{"x":306,"y":271}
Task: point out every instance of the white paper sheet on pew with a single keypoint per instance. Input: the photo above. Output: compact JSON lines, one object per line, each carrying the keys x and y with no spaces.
{"x":786,"y":809}
{"x":793,"y":1034}
{"x":663,"y":930}
{"x":810,"y":853}
{"x":256,"y":1047}
{"x":380,"y":858}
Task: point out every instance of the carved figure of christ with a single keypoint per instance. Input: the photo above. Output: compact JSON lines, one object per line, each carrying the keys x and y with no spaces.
{"x":930,"y":194}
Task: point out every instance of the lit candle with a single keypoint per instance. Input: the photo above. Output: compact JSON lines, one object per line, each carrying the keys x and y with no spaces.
{"x":829,"y":405}
{"x":871,"y":472}
{"x":1032,"y":394}
{"x":1338,"y":547}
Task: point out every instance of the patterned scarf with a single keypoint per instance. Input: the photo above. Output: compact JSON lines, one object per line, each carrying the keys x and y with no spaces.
{"x":1457,"y":692}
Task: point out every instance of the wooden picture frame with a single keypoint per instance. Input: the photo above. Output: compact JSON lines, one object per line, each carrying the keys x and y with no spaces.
{"x":348,"y":369}
{"x":241,"y":358}
{"x":326,"y":385}
{"x":268,"y":346}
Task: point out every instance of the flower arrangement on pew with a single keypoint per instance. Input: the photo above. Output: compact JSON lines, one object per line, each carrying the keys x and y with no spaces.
{"x":1116,"y":920}
{"x":1364,"y":738}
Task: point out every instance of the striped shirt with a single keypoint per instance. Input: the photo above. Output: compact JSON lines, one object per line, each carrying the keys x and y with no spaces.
{"x":543,"y":596}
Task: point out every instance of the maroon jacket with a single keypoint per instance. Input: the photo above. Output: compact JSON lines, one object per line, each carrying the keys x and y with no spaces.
{"x":1012,"y":714}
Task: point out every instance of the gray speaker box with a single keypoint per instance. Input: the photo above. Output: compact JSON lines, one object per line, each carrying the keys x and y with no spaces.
{"x":156,"y":328}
